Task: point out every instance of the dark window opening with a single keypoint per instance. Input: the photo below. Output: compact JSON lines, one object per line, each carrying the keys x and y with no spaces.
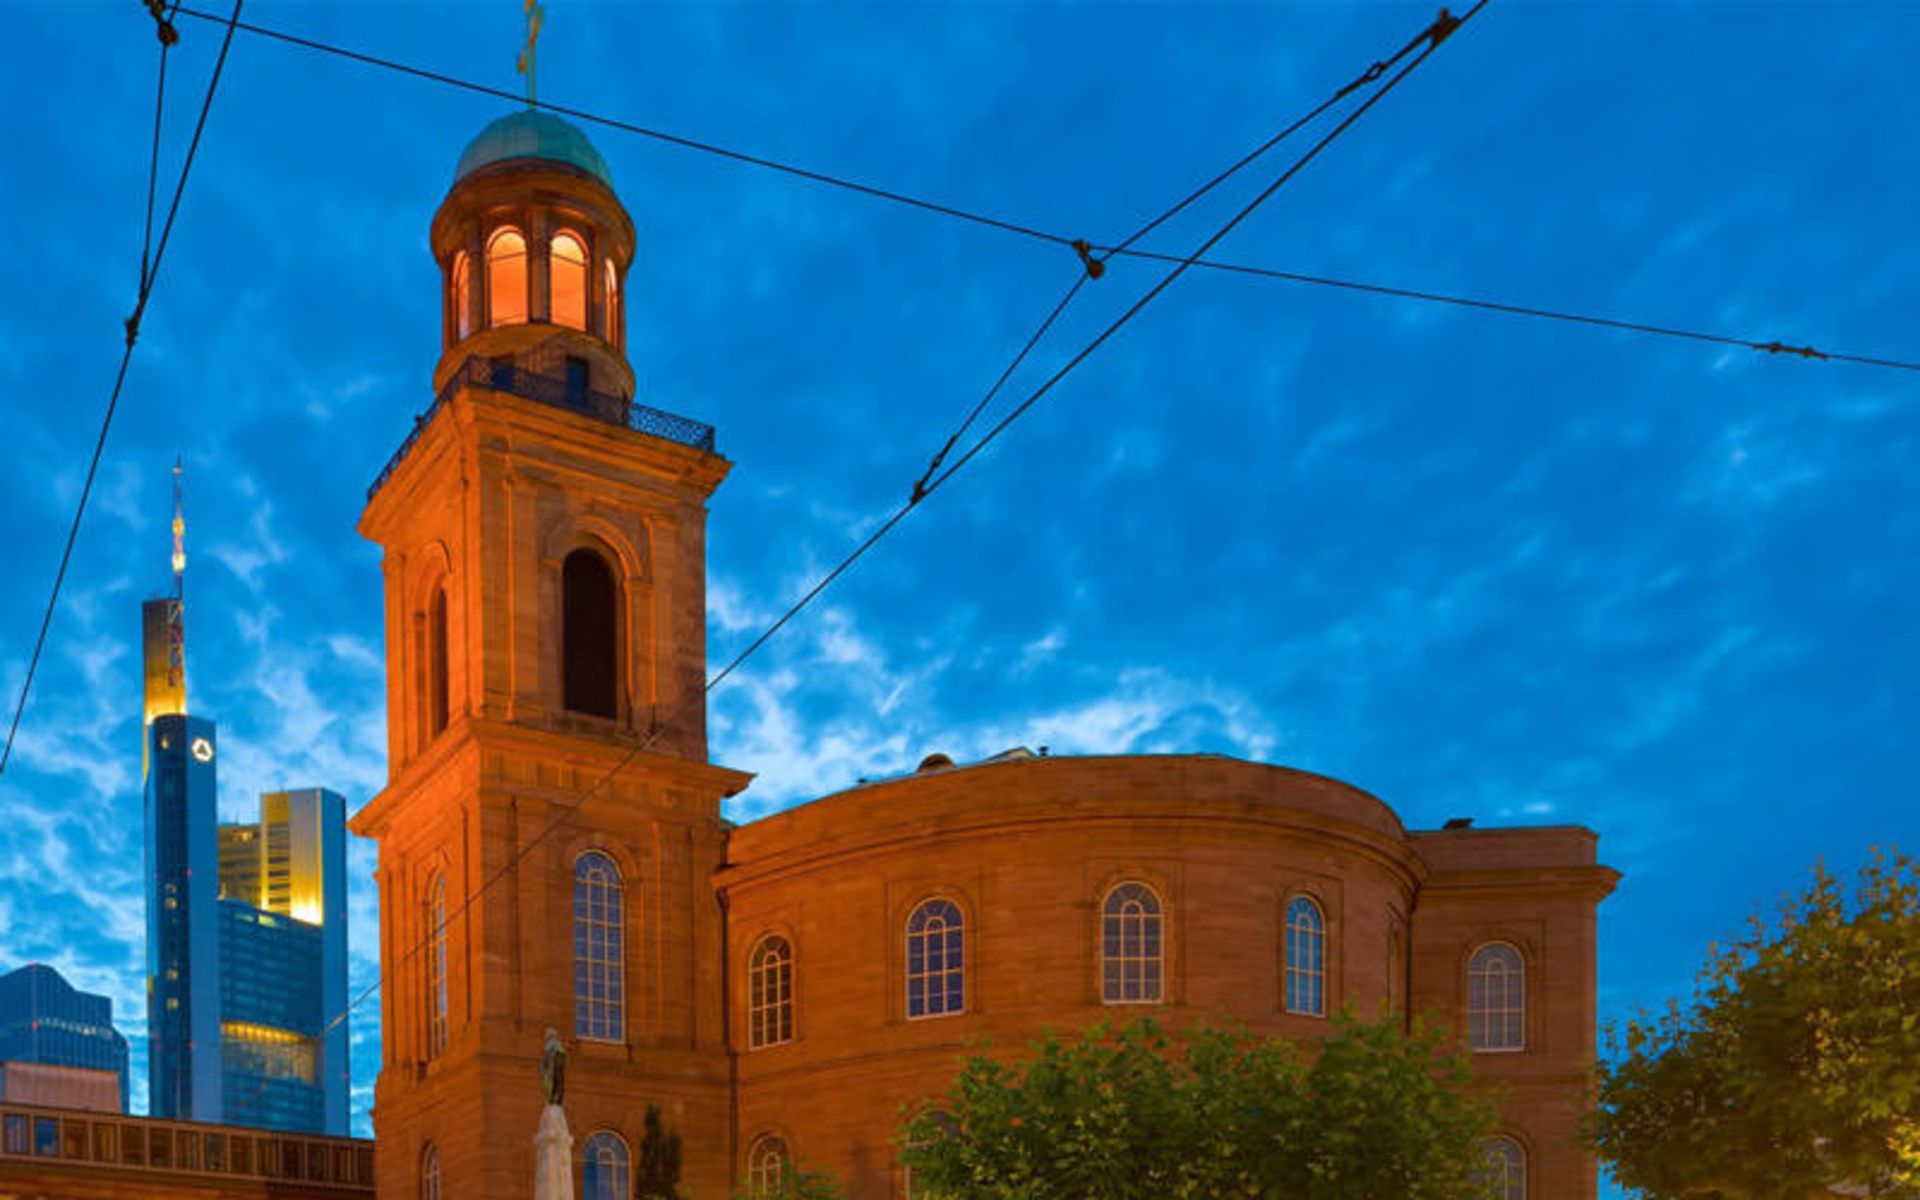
{"x":577,"y":381}
{"x":503,"y":372}
{"x":437,"y":663}
{"x":589,"y":642}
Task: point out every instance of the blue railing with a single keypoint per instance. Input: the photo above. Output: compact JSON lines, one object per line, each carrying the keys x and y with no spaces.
{"x":556,"y":393}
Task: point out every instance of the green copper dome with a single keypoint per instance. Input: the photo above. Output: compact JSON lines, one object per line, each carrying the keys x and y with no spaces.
{"x":533,"y":134}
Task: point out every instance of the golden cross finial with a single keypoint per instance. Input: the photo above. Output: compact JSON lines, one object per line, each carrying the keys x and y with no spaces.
{"x":535,"y":14}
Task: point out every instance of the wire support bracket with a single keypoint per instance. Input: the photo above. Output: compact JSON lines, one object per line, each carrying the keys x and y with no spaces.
{"x":1095,"y":267}
{"x":162,"y":27}
{"x":1779,"y":347}
{"x":1441,"y":29}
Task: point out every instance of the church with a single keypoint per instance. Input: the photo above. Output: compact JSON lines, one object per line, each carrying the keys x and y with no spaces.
{"x":552,"y":852}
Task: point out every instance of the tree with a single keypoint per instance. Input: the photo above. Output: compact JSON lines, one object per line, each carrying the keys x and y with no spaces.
{"x":1795,"y":1070}
{"x":1212,"y":1116}
{"x":795,"y":1184}
{"x":658,"y":1177}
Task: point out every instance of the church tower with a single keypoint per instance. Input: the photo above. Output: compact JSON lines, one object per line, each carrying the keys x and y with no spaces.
{"x":550,"y":823}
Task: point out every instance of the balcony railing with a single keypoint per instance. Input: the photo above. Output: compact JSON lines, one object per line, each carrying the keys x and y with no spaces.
{"x":555,"y":393}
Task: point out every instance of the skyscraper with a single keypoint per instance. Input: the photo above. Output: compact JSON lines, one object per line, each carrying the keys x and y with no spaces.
{"x":58,"y":1045}
{"x":246,"y":924}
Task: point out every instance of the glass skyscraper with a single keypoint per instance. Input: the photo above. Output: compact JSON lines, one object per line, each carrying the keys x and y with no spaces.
{"x":246,"y":924}
{"x":247,"y":947}
{"x":47,"y":1027}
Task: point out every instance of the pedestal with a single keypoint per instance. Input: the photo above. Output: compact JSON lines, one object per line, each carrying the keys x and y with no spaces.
{"x":553,"y":1157}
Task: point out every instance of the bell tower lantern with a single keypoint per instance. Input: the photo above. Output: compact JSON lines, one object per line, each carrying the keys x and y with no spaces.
{"x":550,"y":818}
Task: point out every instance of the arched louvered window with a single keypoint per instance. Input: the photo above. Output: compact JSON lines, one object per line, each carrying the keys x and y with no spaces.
{"x":567,"y":280}
{"x":437,"y":690}
{"x":936,"y":960}
{"x":1497,"y":998}
{"x":599,"y":949}
{"x":460,"y":294}
{"x":1504,"y":1174}
{"x":507,"y":278}
{"x":606,"y":1171}
{"x":770,"y":993}
{"x":430,"y":1173}
{"x":437,"y":966}
{"x":1306,"y":955}
{"x":613,"y":303}
{"x":768,"y":1165}
{"x":589,"y":635}
{"x":1131,"y":947}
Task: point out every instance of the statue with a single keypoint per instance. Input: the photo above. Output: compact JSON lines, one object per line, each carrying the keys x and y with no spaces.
{"x":553,"y":1144}
{"x":553,"y":1068}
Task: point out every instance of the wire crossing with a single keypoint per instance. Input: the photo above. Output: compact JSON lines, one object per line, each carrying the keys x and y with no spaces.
{"x":1092,"y":256}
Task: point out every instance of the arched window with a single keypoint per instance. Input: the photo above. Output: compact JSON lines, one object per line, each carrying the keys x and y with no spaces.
{"x":567,"y":280}
{"x":770,"y":993}
{"x":507,"y":278}
{"x":1497,"y":998}
{"x":1306,"y":958}
{"x":613,"y":303}
{"x":437,"y":967}
{"x":437,"y":662}
{"x":589,"y":635}
{"x":599,"y":951}
{"x":768,"y":1165}
{"x":1504,"y":1175}
{"x":936,"y":960}
{"x":606,"y":1171}
{"x":1130,"y":946}
{"x":461,"y":293}
{"x":430,"y":1173}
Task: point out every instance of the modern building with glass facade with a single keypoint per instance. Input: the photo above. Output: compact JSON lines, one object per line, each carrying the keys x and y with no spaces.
{"x":246,"y":925}
{"x":58,"y":1044}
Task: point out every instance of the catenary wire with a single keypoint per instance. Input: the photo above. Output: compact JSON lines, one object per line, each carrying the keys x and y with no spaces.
{"x":1447,"y":24}
{"x":1774,"y":347}
{"x":660,"y":135}
{"x":149,"y":274}
{"x":1523,"y":310}
{"x":1093,"y":268}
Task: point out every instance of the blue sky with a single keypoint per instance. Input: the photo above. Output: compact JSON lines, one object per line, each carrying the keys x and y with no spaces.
{"x":1479,"y":565}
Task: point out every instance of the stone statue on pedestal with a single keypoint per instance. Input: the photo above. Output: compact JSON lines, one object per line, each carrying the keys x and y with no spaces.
{"x":553,"y":1144}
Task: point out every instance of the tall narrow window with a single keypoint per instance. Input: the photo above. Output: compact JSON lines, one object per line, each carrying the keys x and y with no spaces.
{"x":1504,"y":1173}
{"x":936,"y":960}
{"x":1130,"y":946}
{"x":437,"y":967}
{"x":430,"y":1173}
{"x":461,"y":293}
{"x":1497,"y":998}
{"x":507,"y":278}
{"x":767,"y":1166}
{"x":1396,"y":970}
{"x":606,"y":1172}
{"x":589,"y":642}
{"x":599,"y":950}
{"x":437,"y":661}
{"x":613,"y":303}
{"x":567,"y":279}
{"x":770,"y":993}
{"x":1306,"y":958}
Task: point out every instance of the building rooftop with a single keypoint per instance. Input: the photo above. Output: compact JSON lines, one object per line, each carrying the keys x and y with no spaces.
{"x":531,"y":133}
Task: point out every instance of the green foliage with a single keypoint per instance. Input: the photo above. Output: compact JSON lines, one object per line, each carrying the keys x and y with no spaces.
{"x":796,"y":1184}
{"x":1796,"y":1068}
{"x":1213,"y":1115}
{"x":658,"y":1173}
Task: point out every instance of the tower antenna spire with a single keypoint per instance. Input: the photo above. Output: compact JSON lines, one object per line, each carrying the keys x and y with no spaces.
{"x":179,"y":536}
{"x":535,"y":16}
